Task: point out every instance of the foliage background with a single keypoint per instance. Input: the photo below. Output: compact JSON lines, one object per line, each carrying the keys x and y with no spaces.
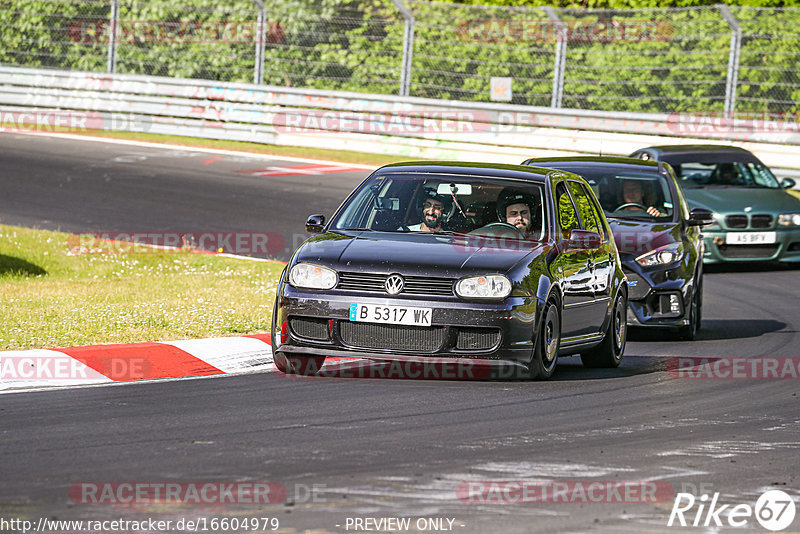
{"x":357,"y":45}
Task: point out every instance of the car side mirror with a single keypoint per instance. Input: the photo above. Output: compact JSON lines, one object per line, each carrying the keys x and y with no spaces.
{"x":788,"y":183}
{"x":700,"y":217}
{"x":583,"y":239}
{"x":315,"y":224}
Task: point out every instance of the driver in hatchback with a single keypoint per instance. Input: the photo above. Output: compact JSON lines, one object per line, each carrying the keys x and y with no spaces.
{"x":633,"y":198}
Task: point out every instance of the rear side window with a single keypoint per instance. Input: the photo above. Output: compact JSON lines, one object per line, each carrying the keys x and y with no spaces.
{"x":586,"y":209}
{"x":567,"y":217}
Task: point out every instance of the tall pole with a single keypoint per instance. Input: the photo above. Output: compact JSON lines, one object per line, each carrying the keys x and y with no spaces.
{"x":733,"y":59}
{"x":560,"y":61}
{"x":261,"y":42}
{"x":408,"y":47}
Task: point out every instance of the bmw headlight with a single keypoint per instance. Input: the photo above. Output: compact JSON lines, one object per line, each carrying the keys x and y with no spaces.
{"x":789,"y":219}
{"x":489,"y":286}
{"x":311,"y":276}
{"x":662,"y":255}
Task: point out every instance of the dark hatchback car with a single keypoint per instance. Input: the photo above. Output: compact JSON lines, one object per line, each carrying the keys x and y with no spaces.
{"x":755,"y":218}
{"x":420,"y":264}
{"x":658,"y":239}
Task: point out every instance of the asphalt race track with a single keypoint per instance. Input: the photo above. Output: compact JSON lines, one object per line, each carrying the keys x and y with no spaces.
{"x":350,"y":448}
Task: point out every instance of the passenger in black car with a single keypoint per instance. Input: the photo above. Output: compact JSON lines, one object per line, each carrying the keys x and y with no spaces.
{"x":434,"y":212}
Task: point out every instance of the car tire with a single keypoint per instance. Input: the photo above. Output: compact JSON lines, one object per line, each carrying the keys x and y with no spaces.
{"x":298,"y":365}
{"x":609,"y":353}
{"x":689,"y":332}
{"x":548,"y":343}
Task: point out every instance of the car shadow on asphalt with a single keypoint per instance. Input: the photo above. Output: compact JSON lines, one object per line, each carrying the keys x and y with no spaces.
{"x":712,"y":330}
{"x":571,"y":368}
{"x":19,"y":267}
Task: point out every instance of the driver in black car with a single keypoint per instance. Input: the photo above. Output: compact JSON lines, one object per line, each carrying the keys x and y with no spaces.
{"x":516,"y":209}
{"x":633,"y":198}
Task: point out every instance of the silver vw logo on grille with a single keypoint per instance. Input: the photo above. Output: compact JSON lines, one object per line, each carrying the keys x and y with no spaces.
{"x":394,"y":284}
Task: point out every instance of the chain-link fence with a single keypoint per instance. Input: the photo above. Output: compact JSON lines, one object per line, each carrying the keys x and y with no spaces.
{"x":712,"y":59}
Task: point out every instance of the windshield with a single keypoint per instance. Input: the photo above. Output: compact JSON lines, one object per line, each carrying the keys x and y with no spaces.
{"x":429,"y":203}
{"x":728,"y":174}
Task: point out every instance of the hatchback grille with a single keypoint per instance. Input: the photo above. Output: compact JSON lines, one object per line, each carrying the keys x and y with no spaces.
{"x":477,"y":338}
{"x":748,"y":251}
{"x":309,"y":327}
{"x":761,"y":221}
{"x":391,"y":336}
{"x":736,"y":221}
{"x":414,"y":285}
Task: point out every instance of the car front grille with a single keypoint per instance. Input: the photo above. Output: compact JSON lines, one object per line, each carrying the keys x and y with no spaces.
{"x":736,"y":221}
{"x":309,"y":328}
{"x":477,"y":338}
{"x":391,"y":336}
{"x":761,"y":221}
{"x":739,"y":222}
{"x":414,"y":285}
{"x":748,"y":251}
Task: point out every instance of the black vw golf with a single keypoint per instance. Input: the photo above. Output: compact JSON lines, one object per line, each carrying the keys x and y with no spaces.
{"x":658,"y":238}
{"x":504,"y":266}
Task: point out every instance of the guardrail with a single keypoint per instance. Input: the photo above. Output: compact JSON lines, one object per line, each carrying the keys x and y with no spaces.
{"x":402,"y":126}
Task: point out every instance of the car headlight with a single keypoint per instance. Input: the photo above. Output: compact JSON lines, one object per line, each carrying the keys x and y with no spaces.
{"x":490,"y":286}
{"x":662,"y":255}
{"x":311,"y":276}
{"x":789,"y":219}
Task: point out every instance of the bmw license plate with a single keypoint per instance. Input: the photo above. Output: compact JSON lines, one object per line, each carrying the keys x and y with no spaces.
{"x":371,"y":313}
{"x":751,"y":238}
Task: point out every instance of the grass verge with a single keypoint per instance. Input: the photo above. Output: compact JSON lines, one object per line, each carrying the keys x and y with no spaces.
{"x":54,"y":295}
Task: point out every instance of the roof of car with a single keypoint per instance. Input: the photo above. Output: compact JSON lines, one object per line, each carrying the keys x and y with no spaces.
{"x":500,"y":170}
{"x":594,"y":161}
{"x":706,"y":153}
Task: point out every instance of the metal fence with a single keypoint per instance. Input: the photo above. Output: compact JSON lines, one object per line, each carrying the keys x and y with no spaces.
{"x":713,"y":59}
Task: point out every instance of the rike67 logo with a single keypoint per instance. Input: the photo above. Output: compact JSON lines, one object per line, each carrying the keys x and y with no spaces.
{"x":774,"y":510}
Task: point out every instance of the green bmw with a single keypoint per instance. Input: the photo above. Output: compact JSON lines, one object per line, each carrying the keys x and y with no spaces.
{"x":755,"y":218}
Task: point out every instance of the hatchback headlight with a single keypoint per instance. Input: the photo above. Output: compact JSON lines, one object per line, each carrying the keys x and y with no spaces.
{"x":311,"y":276}
{"x":789,"y":219}
{"x":490,"y":286}
{"x":662,"y":255}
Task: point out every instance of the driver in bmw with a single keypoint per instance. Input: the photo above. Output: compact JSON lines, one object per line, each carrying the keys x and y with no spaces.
{"x":632,"y":193}
{"x":434,"y":209}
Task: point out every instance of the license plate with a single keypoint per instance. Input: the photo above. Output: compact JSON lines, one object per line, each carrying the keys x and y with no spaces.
{"x":371,"y":313}
{"x":751,"y":238}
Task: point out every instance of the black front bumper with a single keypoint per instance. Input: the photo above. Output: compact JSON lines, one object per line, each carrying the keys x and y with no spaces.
{"x":318,"y":322}
{"x":660,"y":297}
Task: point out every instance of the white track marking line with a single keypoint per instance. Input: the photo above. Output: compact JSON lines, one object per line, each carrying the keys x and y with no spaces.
{"x":186,"y":148}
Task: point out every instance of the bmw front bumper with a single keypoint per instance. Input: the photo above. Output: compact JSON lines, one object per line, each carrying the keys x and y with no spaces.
{"x":786,"y":247}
